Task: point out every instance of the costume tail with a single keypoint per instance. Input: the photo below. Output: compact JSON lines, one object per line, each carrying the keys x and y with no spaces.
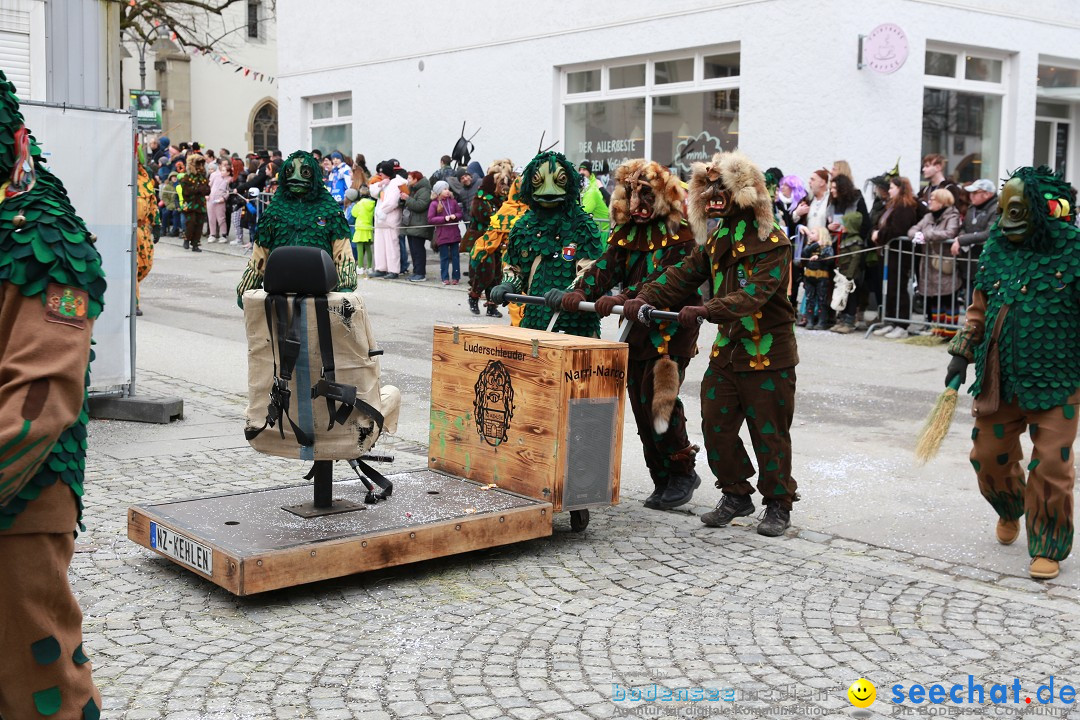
{"x":665,"y":393}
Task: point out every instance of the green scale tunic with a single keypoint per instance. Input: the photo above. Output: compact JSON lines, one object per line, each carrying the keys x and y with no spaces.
{"x":547,"y":249}
{"x":1039,"y":341}
{"x":53,"y":246}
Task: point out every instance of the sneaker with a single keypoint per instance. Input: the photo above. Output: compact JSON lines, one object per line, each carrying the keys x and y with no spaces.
{"x":1043,"y":568}
{"x":653,"y":501}
{"x":775,"y":522}
{"x":1007,"y":531}
{"x":884,"y":330}
{"x":896,"y":333}
{"x":679,"y":490}
{"x":729,"y":508}
{"x":377,"y":274}
{"x":138,"y":312}
{"x":391,"y":276}
{"x":915,"y":328}
{"x":453,"y":282}
{"x":236,"y":242}
{"x":819,"y":326}
{"x":843,"y":328}
{"x":417,"y":278}
{"x":445,"y":282}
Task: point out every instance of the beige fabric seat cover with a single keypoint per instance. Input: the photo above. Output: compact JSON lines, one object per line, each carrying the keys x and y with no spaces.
{"x":352,"y":341}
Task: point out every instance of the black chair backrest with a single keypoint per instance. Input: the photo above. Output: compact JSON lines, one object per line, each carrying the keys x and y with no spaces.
{"x":299,"y":270}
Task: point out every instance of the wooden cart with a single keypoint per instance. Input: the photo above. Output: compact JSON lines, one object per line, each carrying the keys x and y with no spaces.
{"x":523,"y":424}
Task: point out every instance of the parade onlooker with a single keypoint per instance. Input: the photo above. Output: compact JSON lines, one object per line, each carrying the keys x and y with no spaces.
{"x":444,"y":212}
{"x":444,"y":172}
{"x":842,"y":167}
{"x":817,"y":261}
{"x":591,"y":197}
{"x":418,"y":230}
{"x":938,"y":279}
{"x":170,"y":206}
{"x":849,"y":218}
{"x":981,"y":215}
{"x":339,"y":178}
{"x":789,"y":193}
{"x":220,"y":180}
{"x":363,"y":212}
{"x":813,"y":211}
{"x":387,"y":221}
{"x":361,"y":176}
{"x":890,"y":236}
{"x":249,"y":216}
{"x":933,"y":171}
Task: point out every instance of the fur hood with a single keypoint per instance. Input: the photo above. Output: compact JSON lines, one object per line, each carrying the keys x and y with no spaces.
{"x":740,"y":177}
{"x":667,"y":191}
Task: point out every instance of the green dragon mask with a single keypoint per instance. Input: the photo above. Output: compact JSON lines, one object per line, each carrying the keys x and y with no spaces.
{"x":549,"y":180}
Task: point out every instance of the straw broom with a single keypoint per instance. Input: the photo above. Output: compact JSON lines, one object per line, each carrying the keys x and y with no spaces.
{"x":937,"y":423}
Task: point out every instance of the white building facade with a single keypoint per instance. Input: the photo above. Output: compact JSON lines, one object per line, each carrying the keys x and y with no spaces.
{"x":989,"y":84}
{"x":208,"y":97}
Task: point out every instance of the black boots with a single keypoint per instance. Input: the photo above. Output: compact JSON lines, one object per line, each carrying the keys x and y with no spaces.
{"x":653,"y":501}
{"x":775,"y":522}
{"x":729,"y":508}
{"x":474,"y":305}
{"x":680,"y":489}
{"x":493,"y":311}
{"x":187,"y":245}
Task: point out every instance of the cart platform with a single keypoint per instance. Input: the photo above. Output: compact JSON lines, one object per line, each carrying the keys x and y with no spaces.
{"x":248,"y":543}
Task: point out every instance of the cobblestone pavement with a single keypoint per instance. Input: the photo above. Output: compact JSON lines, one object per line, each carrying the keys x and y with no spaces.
{"x":551,"y":628}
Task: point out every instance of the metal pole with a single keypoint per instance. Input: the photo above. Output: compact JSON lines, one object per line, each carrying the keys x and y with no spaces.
{"x":324,"y":483}
{"x":142,"y":65}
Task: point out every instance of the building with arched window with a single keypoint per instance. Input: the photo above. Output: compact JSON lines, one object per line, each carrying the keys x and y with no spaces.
{"x":223,"y":99}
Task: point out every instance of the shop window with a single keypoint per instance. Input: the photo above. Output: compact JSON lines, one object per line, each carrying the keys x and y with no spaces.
{"x":982,"y":69}
{"x":966,"y":129}
{"x":627,"y":76}
{"x":610,"y":131}
{"x":721,"y":66}
{"x":702,"y":124}
{"x":962,"y":121}
{"x":674,"y":71}
{"x":1058,"y":82}
{"x":583,"y":82}
{"x":331,"y":124}
{"x":940,"y":64}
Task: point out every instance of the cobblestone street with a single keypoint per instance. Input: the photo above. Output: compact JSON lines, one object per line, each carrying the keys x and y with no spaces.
{"x":881,"y":576}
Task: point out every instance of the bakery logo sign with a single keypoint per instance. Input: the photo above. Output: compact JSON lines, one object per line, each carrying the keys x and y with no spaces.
{"x":493,"y":403}
{"x":885,"y":49}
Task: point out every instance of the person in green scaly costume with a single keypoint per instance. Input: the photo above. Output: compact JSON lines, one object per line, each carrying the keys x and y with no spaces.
{"x":302,"y":212}
{"x":1022,"y":331}
{"x":52,"y":288}
{"x":553,"y":242}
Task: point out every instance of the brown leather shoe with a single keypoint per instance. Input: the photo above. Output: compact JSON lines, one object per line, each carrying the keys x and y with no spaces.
{"x":1007,"y":531}
{"x":1043,"y":568}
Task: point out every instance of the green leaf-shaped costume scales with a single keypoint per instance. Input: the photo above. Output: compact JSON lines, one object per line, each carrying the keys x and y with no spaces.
{"x":552,"y":242}
{"x":302,"y":212}
{"x":51,"y":289}
{"x":43,"y":242}
{"x":1023,"y":332}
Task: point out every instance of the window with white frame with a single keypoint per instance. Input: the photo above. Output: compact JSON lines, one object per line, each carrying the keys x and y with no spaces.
{"x":963,"y":99}
{"x":330,"y":123}
{"x":674,"y":108}
{"x":1057,"y":107}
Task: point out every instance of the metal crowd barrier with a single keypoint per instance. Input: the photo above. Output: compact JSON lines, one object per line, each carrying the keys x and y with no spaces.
{"x":925,"y":287}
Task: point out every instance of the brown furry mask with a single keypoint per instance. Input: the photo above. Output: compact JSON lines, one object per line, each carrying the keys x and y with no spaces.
{"x":727,"y":186}
{"x":502,"y":172}
{"x":645,"y":191}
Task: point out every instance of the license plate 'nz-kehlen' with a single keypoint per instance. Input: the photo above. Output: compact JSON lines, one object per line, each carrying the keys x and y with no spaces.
{"x":182,"y":549}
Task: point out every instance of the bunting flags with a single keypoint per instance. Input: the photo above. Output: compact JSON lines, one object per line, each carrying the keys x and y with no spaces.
{"x":224,"y":61}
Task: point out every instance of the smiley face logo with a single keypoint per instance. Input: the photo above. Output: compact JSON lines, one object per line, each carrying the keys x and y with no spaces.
{"x":862,"y":693}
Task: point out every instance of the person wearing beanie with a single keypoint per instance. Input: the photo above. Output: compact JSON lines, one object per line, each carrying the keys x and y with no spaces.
{"x":340,"y":177}
{"x":445,"y":214}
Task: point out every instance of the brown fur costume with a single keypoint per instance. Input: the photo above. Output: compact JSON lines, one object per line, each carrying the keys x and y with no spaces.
{"x":667,"y":193}
{"x":742,"y":182}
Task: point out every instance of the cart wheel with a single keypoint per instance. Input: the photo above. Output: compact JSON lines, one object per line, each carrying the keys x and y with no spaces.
{"x":579,"y":520}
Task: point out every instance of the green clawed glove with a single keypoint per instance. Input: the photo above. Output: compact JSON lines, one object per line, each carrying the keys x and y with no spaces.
{"x":571,"y":300}
{"x":499,"y":292}
{"x":693,"y":315}
{"x":957,"y":368}
{"x":607,"y":303}
{"x":553,"y":298}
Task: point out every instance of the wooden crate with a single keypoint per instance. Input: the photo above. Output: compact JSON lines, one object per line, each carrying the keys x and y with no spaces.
{"x":537,"y":413}
{"x":247,"y":543}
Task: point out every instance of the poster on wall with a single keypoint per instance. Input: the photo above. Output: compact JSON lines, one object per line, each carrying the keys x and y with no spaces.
{"x":146,"y":106}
